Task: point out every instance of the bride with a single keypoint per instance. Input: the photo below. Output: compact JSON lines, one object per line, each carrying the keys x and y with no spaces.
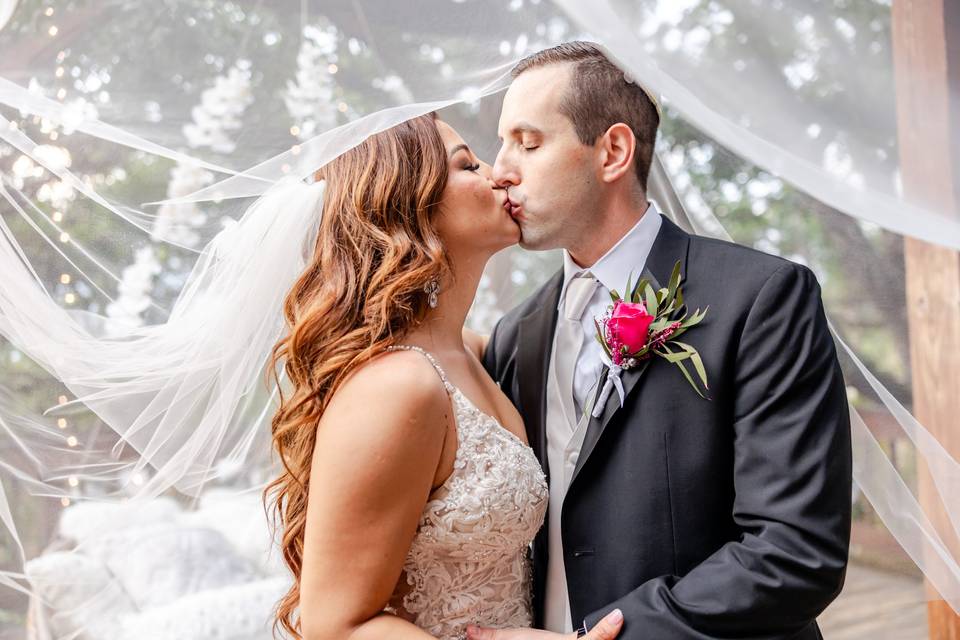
{"x":409,"y":496}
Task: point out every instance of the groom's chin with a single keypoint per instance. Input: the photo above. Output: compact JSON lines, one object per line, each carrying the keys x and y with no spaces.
{"x":527,"y":245}
{"x":532,"y":243}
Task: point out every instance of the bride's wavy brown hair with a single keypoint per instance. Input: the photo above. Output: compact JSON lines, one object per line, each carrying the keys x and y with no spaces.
{"x":362,"y":291}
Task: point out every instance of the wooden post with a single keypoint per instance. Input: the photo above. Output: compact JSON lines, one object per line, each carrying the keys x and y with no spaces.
{"x":926,"y":40}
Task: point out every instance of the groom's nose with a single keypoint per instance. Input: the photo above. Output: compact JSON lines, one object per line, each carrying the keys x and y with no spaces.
{"x":505,"y":173}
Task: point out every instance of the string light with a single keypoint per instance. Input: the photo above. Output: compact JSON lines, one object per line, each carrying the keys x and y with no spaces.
{"x":62,"y":400}
{"x":49,"y":12}
{"x":57,"y":216}
{"x":70,"y":298}
{"x":342,"y":107}
{"x":62,"y":422}
{"x":53,"y":30}
{"x":332,"y":68}
{"x":73,"y":481}
{"x":61,"y":94}
{"x":64,"y":237}
{"x":295,"y":149}
{"x":64,"y":278}
{"x":60,"y":72}
{"x":294,"y":130}
{"x":65,"y":502}
{"x":72,"y":441}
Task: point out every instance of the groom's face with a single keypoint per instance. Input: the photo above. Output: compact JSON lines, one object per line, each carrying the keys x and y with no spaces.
{"x":550,"y":176}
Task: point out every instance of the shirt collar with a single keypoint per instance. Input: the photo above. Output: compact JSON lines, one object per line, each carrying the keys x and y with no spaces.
{"x":628,"y":255}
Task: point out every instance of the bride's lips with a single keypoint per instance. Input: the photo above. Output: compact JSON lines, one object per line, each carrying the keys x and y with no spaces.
{"x":513,"y":208}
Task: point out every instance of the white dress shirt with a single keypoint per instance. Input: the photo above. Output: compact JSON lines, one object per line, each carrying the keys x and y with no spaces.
{"x":564,"y":433}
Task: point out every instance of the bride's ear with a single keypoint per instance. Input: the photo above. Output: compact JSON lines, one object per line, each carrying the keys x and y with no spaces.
{"x":617,"y":148}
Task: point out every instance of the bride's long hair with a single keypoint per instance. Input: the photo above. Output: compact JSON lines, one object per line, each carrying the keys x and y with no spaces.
{"x":363,"y":289}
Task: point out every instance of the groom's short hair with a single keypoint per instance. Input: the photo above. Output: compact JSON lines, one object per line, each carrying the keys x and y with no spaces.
{"x":599,"y":96}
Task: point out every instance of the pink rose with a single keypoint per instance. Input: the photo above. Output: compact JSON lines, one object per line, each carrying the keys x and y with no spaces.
{"x":628,"y":325}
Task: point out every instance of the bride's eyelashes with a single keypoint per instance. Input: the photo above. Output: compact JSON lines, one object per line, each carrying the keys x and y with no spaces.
{"x":473,"y":167}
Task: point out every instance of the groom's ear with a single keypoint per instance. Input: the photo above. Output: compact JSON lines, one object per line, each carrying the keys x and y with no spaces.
{"x":616,"y":147}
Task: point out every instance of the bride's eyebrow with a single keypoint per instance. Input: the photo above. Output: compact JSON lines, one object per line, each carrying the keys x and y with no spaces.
{"x":459,"y":147}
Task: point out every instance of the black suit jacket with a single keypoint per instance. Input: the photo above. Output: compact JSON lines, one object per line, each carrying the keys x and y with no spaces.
{"x":719,"y":518}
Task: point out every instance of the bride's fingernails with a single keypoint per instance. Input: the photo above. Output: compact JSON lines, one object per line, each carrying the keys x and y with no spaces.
{"x":615,"y":616}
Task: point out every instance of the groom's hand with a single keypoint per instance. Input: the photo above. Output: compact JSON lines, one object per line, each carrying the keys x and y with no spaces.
{"x":606,"y":629}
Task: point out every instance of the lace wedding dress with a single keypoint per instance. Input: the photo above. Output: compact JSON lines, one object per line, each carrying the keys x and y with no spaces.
{"x":468,"y":562}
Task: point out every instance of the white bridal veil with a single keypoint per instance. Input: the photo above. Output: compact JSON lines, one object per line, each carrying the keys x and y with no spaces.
{"x":155,"y":207}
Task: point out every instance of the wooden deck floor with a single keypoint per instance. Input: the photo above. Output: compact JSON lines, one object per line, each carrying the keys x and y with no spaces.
{"x":876,"y":605}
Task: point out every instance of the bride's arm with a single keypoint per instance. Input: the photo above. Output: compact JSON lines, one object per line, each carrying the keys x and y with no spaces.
{"x":377,"y":450}
{"x":476,"y":342}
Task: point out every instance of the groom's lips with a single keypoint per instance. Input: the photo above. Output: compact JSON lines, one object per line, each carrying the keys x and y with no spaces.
{"x":513,"y":208}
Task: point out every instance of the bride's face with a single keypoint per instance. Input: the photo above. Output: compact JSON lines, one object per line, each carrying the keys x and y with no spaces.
{"x":473,"y":216}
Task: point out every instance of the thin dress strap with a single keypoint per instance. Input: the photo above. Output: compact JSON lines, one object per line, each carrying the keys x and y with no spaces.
{"x":436,"y":365}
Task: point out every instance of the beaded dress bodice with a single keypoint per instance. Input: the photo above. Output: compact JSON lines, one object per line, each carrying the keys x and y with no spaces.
{"x":469,"y":561}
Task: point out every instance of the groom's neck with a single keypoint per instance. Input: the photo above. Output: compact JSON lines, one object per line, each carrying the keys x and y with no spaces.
{"x":611,"y":224}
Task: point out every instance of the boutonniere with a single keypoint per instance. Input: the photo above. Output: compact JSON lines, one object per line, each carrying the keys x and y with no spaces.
{"x":647,"y":324}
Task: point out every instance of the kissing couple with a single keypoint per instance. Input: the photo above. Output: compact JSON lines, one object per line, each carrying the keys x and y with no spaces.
{"x":654,"y":445}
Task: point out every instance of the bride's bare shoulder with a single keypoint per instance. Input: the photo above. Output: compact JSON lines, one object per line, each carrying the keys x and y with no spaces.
{"x":394,"y":388}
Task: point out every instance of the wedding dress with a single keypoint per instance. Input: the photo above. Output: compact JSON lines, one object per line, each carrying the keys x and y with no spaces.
{"x":469,"y":561}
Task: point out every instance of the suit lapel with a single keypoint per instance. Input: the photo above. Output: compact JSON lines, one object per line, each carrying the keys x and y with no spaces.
{"x":534,"y":340}
{"x":672,"y":244}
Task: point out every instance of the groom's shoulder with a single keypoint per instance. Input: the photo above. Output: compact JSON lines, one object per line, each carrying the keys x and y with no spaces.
{"x":731,"y":262}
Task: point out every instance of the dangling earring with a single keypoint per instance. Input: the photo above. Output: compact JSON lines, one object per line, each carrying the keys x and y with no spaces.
{"x":432,"y":288}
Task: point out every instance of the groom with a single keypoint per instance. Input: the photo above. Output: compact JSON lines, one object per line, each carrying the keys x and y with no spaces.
{"x":725,"y":517}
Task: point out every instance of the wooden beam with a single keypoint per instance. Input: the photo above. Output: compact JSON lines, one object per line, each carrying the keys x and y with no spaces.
{"x":925,"y":41}
{"x":952,"y":30}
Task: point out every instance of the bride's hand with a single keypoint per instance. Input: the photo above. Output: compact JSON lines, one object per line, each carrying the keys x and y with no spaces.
{"x":606,"y":629}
